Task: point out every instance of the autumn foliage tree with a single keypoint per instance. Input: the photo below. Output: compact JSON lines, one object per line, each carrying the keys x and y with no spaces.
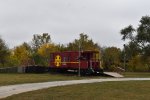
{"x":37,"y":43}
{"x":21,"y":55}
{"x":111,"y":58}
{"x":44,"y":52}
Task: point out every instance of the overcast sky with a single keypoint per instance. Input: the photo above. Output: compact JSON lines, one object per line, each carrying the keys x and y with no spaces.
{"x":102,"y":20}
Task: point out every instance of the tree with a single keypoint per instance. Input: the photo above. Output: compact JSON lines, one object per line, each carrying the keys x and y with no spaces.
{"x":142,"y":37}
{"x":39,"y":40}
{"x":4,"y":52}
{"x":44,"y":52}
{"x":139,"y":43}
{"x":127,"y":33}
{"x":22,"y":54}
{"x":85,"y":42}
{"x":111,"y":58}
{"x":61,"y":47}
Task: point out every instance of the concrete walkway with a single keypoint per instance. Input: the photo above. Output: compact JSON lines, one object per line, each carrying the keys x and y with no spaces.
{"x":6,"y":91}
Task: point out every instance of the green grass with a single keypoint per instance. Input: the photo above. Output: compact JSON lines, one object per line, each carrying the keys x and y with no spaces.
{"x":139,"y":90}
{"x":129,"y":90}
{"x":9,"y":79}
{"x":137,"y":74}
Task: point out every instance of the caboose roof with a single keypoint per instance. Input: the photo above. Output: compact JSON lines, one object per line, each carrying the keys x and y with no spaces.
{"x":90,"y":51}
{"x":86,"y":51}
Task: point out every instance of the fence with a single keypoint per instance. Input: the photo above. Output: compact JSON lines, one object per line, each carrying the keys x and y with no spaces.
{"x":27,"y":69}
{"x":36,"y":69}
{"x":9,"y":70}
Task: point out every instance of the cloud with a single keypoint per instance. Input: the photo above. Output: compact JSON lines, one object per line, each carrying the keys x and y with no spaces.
{"x":102,"y":20}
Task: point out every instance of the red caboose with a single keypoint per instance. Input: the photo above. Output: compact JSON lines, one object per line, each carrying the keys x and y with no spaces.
{"x":88,"y":61}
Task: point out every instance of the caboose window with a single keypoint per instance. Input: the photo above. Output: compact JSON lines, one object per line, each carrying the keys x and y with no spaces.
{"x":68,"y":58}
{"x":65,"y":59}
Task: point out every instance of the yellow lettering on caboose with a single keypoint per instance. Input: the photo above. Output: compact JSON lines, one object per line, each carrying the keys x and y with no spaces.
{"x":58,"y":60}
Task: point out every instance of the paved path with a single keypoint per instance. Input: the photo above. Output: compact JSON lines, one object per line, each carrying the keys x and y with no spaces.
{"x":6,"y":91}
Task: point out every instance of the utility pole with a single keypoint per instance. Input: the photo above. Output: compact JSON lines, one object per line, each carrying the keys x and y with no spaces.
{"x":100,"y":58}
{"x":124,"y":60}
{"x":79,"y":74}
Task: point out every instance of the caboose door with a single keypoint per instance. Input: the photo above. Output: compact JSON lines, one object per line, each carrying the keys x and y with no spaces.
{"x":88,"y":57}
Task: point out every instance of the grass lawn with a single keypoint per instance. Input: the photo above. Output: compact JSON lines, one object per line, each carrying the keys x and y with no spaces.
{"x":9,"y":79}
{"x":129,"y":90}
{"x":137,"y":74}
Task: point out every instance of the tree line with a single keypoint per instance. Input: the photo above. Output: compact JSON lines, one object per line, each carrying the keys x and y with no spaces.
{"x":135,"y":56}
{"x":37,"y":52}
